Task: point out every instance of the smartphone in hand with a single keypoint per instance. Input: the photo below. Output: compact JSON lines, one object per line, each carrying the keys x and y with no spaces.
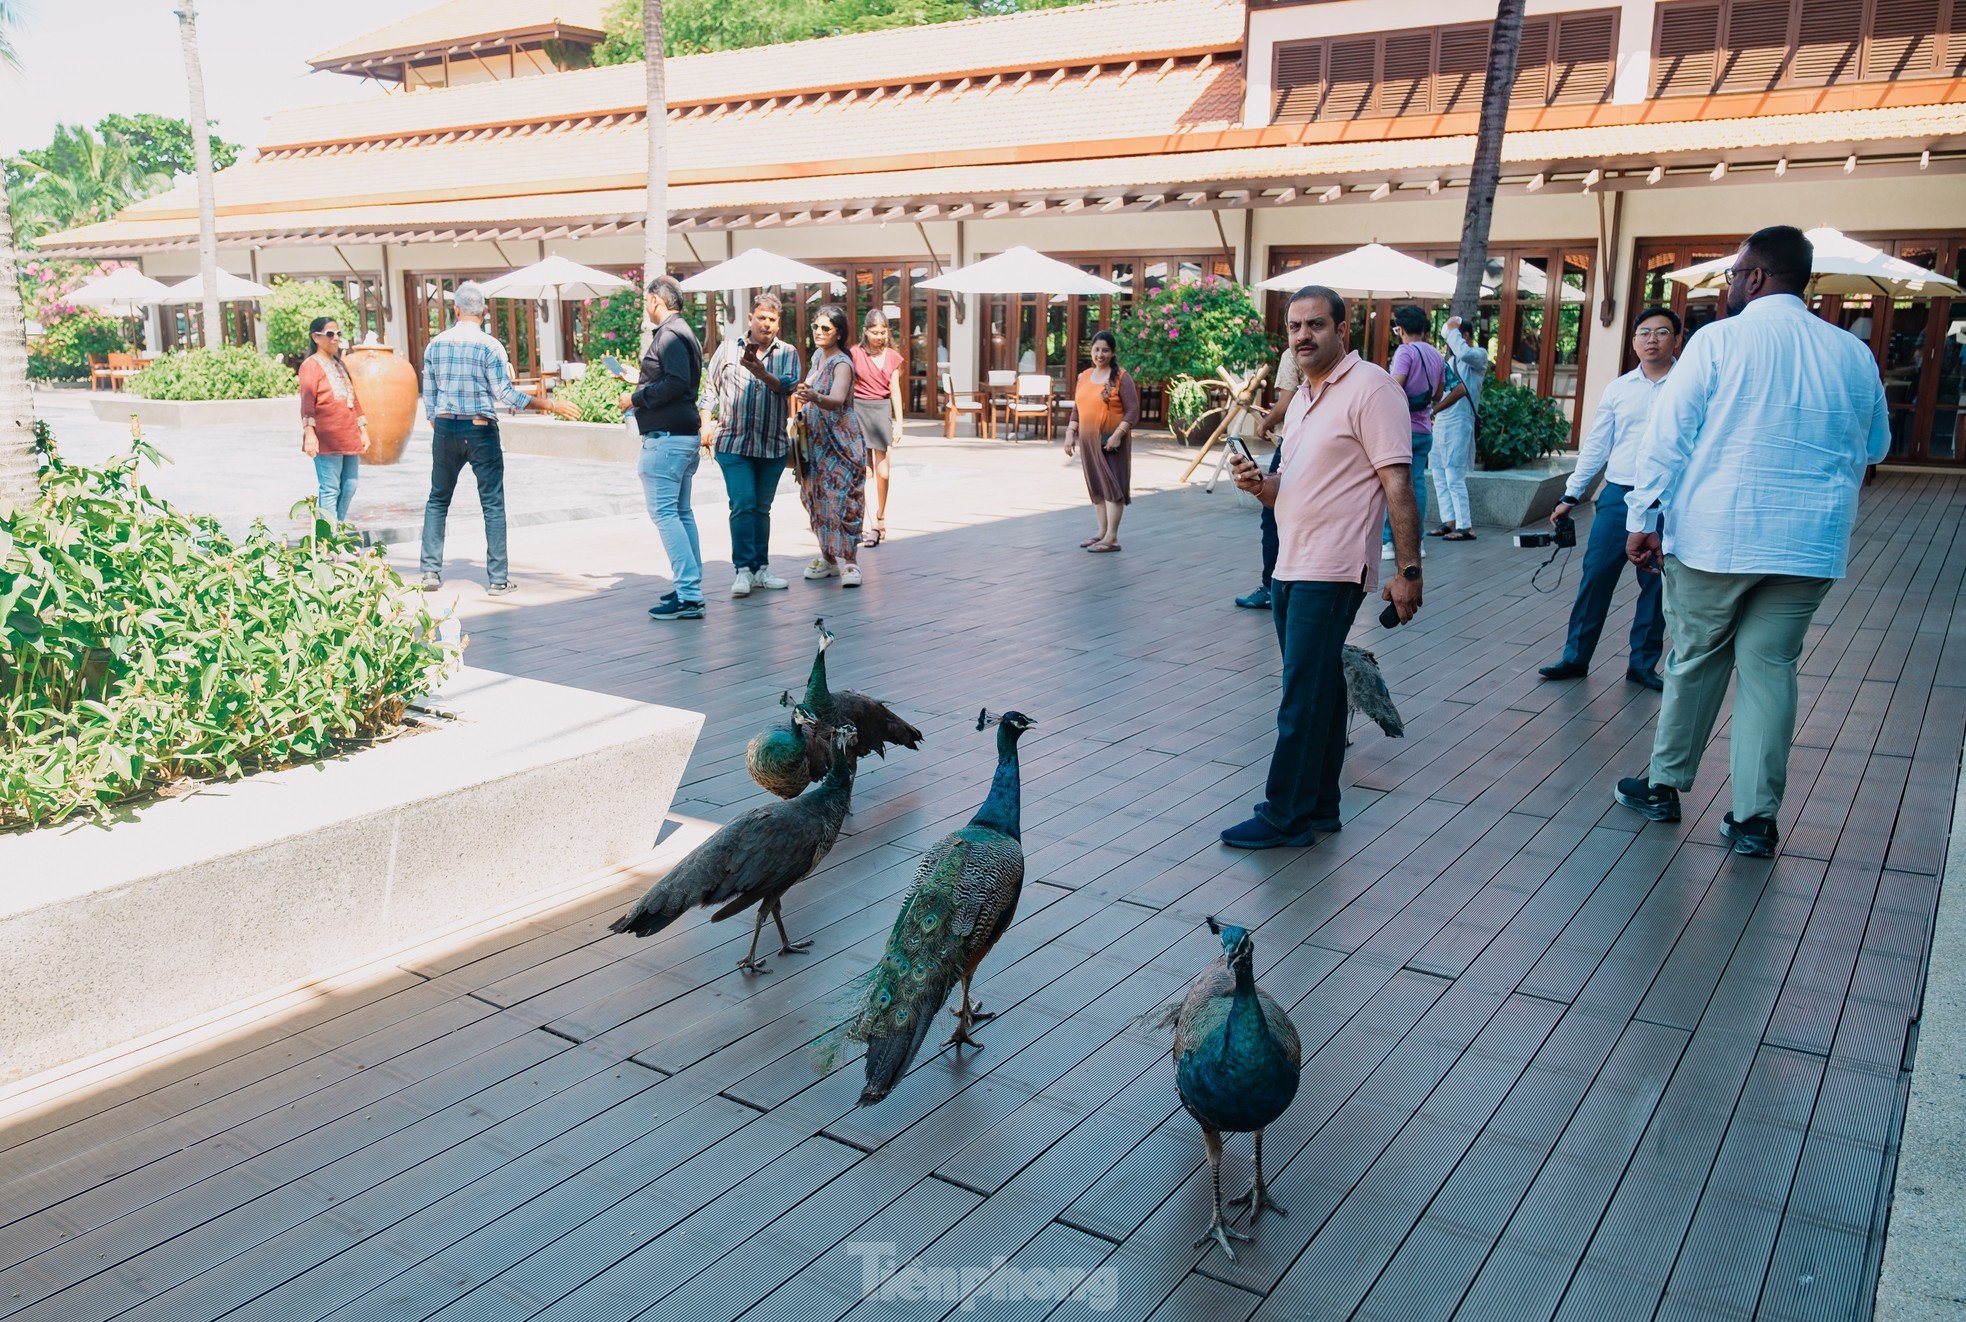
{"x":1240,"y":450}
{"x":612,"y":365}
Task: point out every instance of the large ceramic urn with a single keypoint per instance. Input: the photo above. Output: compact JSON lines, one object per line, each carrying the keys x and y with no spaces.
{"x":385,"y":385}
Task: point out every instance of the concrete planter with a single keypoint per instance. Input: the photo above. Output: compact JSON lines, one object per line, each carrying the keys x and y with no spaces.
{"x":540,"y":434}
{"x":1513,"y":497}
{"x":110,"y":932}
{"x":283,"y":411}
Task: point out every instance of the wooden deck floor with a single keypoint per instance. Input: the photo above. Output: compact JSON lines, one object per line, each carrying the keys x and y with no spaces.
{"x":1560,"y":1064}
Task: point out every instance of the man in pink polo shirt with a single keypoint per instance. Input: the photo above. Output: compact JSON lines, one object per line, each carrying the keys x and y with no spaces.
{"x":1347,"y":466}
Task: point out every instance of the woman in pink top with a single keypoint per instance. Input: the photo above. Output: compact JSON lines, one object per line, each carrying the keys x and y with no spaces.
{"x":333,"y":432}
{"x":877,"y":375}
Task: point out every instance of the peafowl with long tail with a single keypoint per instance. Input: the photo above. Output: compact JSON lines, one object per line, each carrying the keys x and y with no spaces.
{"x":755,"y":858}
{"x":785,"y":759}
{"x":1236,"y":1062}
{"x":963,"y":898}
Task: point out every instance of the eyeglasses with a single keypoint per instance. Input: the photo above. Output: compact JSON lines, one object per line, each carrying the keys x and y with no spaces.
{"x":329,"y":335}
{"x":1742,"y":272}
{"x":1653,"y":333}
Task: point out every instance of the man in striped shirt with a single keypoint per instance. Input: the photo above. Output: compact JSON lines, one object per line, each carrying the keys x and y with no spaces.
{"x":745,"y":403}
{"x":466,"y":377}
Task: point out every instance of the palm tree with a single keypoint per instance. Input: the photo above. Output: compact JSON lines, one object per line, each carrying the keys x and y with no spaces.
{"x":201,"y":155}
{"x":79,"y":178}
{"x":655,"y":223}
{"x":1503,"y":44}
{"x":18,"y":468}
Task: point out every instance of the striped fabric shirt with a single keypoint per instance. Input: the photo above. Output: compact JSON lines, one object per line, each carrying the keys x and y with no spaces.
{"x":750,"y":415}
{"x":467,"y":375}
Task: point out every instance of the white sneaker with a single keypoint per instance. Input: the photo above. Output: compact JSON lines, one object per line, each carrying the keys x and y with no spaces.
{"x":819,"y":569}
{"x":770,"y":582}
{"x":1385,"y":550}
{"x":741,"y":585}
{"x":850,"y":576}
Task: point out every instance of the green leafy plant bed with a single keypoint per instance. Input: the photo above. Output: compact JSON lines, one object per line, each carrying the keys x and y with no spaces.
{"x":230,"y":373}
{"x":140,"y":647}
{"x":1517,"y":425}
{"x":596,"y":394}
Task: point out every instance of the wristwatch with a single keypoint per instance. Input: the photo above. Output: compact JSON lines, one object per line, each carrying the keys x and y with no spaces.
{"x":1411,"y":573}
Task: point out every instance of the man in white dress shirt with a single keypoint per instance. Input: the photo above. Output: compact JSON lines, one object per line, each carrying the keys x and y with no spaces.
{"x":1611,"y":448}
{"x":1756,"y":448}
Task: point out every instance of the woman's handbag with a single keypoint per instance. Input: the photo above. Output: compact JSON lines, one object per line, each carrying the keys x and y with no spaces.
{"x":801,"y":452}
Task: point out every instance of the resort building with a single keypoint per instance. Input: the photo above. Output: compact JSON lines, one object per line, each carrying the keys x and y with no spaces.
{"x":1144,"y":140}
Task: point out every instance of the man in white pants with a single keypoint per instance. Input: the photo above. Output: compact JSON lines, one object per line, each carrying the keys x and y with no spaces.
{"x":1455,"y":414}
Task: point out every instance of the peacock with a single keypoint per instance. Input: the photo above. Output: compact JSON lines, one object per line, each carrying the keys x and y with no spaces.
{"x":756,"y":857}
{"x":964,"y":896}
{"x":1366,"y":691}
{"x":785,"y":759}
{"x":1236,"y":1062}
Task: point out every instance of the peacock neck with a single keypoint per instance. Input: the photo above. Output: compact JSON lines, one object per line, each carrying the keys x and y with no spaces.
{"x":1247,"y":1031}
{"x":1003,"y":809}
{"x":818,"y":696}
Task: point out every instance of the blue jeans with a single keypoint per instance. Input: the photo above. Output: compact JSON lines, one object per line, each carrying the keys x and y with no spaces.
{"x":667,"y":467}
{"x":1312,"y":620}
{"x":751,"y":485}
{"x":1423,"y":447}
{"x":1604,"y":565}
{"x":334,"y":476}
{"x":455,"y":442}
{"x":1272,"y":544}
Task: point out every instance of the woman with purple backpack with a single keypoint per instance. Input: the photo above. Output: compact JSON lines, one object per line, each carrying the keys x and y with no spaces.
{"x":1419,"y":370}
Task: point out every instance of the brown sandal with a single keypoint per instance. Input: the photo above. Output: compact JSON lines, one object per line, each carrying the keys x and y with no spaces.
{"x":1098,"y":548}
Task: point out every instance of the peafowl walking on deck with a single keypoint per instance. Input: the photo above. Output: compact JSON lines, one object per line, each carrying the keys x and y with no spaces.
{"x":1367,"y":694}
{"x":1236,"y":1061}
{"x":964,"y":896}
{"x":755,"y":858}
{"x":785,"y":759}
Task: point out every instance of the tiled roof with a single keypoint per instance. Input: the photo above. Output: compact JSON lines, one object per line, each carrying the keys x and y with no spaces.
{"x":981,"y":122}
{"x":544,"y":207}
{"x":459,"y":22}
{"x":1107,"y":30}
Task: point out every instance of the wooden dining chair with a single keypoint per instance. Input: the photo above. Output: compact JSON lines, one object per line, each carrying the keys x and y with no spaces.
{"x":1032,"y":402}
{"x":998,"y":388}
{"x":122,"y":366}
{"x":963,"y":403}
{"x":99,"y":372}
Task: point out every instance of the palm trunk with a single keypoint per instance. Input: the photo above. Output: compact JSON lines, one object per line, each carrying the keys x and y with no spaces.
{"x":1503,"y":45}
{"x":655,"y":225}
{"x":201,"y":155}
{"x":18,"y":467}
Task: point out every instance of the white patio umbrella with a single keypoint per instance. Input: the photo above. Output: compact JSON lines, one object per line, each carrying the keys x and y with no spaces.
{"x":757,"y":268}
{"x":1020,"y":270}
{"x":555,"y":277}
{"x":125,"y":291}
{"x":1374,"y":271}
{"x":231,"y":289}
{"x":1842,"y":266}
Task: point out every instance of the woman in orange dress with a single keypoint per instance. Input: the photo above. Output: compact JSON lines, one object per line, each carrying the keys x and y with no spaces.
{"x":1105,"y":408}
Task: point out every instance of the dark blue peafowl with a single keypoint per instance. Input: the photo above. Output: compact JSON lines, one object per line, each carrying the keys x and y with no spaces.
{"x":963,"y":898}
{"x":785,"y":759}
{"x":755,"y":858}
{"x":1236,"y":1061}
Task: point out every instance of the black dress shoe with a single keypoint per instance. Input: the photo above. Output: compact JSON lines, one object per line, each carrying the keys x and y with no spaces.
{"x":1756,"y":837}
{"x":1649,"y":678}
{"x":1565,"y":670}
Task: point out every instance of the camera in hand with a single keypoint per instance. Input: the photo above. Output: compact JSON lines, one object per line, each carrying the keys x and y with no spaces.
{"x":1563,"y":535}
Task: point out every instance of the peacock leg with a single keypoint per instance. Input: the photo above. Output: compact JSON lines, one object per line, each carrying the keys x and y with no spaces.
{"x":786,"y":945}
{"x":1258,"y":1196}
{"x":968,"y":1015}
{"x":751,"y":963}
{"x":1219,"y":1231}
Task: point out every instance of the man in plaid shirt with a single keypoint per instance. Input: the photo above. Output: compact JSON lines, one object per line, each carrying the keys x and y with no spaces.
{"x":466,"y":377}
{"x":744,"y":406}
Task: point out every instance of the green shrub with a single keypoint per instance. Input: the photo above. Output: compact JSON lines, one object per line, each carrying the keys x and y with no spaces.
{"x":232,"y":373}
{"x":61,"y":352}
{"x":597,"y":395}
{"x":140,"y":646}
{"x":1517,"y":425}
{"x":1190,"y":328}
{"x":291,"y":308}
{"x":614,"y":325}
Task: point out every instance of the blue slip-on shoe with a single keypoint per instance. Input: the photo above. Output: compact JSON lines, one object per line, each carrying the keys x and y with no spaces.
{"x":1259,"y":834}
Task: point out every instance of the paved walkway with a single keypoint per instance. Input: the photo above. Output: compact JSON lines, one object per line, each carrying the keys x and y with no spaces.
{"x":1560,"y":1063}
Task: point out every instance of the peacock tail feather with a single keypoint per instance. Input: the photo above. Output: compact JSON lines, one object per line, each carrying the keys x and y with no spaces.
{"x":923,"y":957}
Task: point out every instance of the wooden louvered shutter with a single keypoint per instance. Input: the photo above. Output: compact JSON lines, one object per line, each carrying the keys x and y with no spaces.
{"x":1299,"y":83}
{"x":1685,"y":51}
{"x":1952,"y":52}
{"x":1757,"y":45}
{"x":1352,"y":66}
{"x":1463,"y":69}
{"x":1532,"y":64}
{"x":1586,"y":54}
{"x":1830,"y":39}
{"x":1406,"y":69}
{"x":1903,"y":39}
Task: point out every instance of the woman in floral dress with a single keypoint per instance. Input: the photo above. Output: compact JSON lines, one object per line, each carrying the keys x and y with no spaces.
{"x":834,"y":483}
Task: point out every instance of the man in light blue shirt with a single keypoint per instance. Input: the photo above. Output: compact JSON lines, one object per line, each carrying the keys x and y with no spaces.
{"x":1747,"y":484}
{"x":1611,"y":448}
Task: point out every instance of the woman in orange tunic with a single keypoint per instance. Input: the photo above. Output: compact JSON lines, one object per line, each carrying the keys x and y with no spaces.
{"x":1105,"y":407}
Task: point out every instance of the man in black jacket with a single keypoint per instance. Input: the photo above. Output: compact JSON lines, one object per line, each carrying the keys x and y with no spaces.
{"x":664,"y":400}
